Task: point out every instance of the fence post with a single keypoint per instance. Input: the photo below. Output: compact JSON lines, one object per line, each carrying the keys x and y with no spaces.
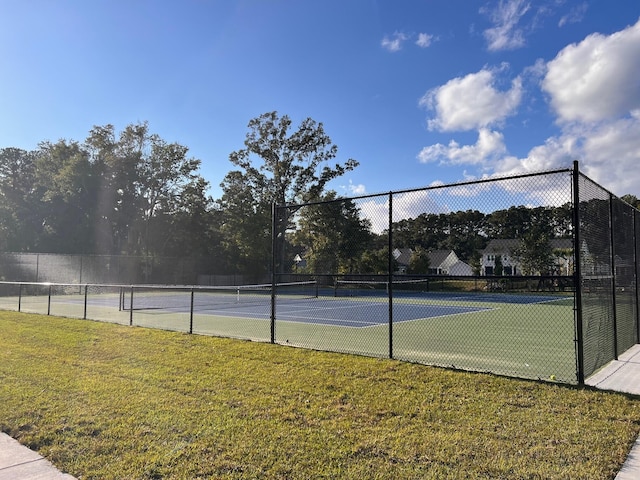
{"x":636,"y":262}
{"x":191,"y":311}
{"x":274,"y":247}
{"x":577,"y":275}
{"x":390,"y":274}
{"x":612,"y":243}
{"x":86,"y":292}
{"x":131,"y":307}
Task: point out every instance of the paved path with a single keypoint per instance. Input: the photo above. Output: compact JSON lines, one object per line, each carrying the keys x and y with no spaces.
{"x":623,"y":375}
{"x":17,"y":462}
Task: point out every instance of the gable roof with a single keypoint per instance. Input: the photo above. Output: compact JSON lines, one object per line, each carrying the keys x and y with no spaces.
{"x":437,"y":257}
{"x":403,"y":255}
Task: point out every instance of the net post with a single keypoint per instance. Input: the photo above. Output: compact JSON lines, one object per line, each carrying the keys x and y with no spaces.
{"x":20,"y":297}
{"x":577,"y":276}
{"x":49,"y":301}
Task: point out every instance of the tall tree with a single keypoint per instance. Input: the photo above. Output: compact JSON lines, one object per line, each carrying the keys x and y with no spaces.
{"x":20,"y":213}
{"x":278,"y":166}
{"x":419,"y":262}
{"x":68,"y":185}
{"x":142,"y":177}
{"x":333,"y":235}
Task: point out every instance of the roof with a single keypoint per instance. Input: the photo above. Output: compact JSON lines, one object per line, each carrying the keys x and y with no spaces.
{"x":403,"y":255}
{"x":437,"y":257}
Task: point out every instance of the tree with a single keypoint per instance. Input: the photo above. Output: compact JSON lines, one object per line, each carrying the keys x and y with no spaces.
{"x":67,"y":183}
{"x":20,"y":219}
{"x":631,"y":200}
{"x":333,"y":236}
{"x":535,"y":254}
{"x":141,"y":178}
{"x":466,"y":233}
{"x":276,"y":166}
{"x":498,"y":268}
{"x":420,"y":261}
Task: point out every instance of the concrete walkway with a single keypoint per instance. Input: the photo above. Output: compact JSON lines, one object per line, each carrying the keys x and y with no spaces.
{"x":17,"y":462}
{"x":623,"y":375}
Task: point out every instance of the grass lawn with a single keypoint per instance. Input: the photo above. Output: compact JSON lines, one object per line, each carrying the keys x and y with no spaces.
{"x":107,"y":401}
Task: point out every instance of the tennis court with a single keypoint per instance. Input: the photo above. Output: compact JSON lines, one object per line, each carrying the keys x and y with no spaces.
{"x":325,"y":311}
{"x":304,"y":302}
{"x":524,"y":334}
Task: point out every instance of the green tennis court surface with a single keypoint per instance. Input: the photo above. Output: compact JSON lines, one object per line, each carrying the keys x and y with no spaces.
{"x":524,"y":335}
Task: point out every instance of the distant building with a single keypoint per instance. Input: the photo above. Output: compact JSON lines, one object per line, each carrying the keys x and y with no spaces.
{"x":441,"y":262}
{"x":505,"y":248}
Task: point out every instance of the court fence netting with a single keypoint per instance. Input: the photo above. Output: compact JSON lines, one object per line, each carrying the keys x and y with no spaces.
{"x":531,"y":276}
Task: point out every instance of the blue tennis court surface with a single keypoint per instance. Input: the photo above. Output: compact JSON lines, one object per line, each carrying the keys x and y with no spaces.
{"x":356,"y":311}
{"x":335,"y":312}
{"x":482,"y":297}
{"x":363,"y":314}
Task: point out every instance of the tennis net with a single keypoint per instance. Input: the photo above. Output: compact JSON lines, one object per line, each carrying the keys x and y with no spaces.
{"x":358,"y":288}
{"x":196,"y":298}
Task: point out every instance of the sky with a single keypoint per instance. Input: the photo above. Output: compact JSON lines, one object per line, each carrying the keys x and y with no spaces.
{"x":420,"y":92}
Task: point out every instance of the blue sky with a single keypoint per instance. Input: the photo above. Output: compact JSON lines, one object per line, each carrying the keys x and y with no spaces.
{"x":419,"y":92}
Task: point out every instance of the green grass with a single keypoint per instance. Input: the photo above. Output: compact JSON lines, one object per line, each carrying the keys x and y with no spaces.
{"x":109,"y":401}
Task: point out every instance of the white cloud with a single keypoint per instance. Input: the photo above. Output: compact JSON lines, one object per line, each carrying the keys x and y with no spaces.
{"x":490,"y":145}
{"x":608,"y":153}
{"x":575,"y":15}
{"x":424,"y":40}
{"x":506,"y":34}
{"x":556,"y":152}
{"x":358,"y":189}
{"x":593,"y":87}
{"x":612,"y":155}
{"x":394,"y":42}
{"x":471,"y":102}
{"x":596,"y":79}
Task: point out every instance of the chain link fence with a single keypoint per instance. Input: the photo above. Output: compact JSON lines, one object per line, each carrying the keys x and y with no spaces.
{"x":608,"y":275}
{"x":532,"y":276}
{"x":115,"y":269}
{"x":475,"y":276}
{"x":479,"y":276}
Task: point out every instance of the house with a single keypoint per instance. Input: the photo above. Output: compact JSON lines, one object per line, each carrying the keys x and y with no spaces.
{"x":502,"y":251}
{"x":403,"y":258}
{"x":446,"y":262}
{"x":441,"y":262}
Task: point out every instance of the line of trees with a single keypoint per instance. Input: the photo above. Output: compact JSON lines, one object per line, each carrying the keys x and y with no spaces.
{"x":134,"y":193}
{"x":333,"y":238}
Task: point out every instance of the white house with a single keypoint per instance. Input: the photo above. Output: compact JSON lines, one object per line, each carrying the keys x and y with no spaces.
{"x":505,"y":248}
{"x":441,"y":262}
